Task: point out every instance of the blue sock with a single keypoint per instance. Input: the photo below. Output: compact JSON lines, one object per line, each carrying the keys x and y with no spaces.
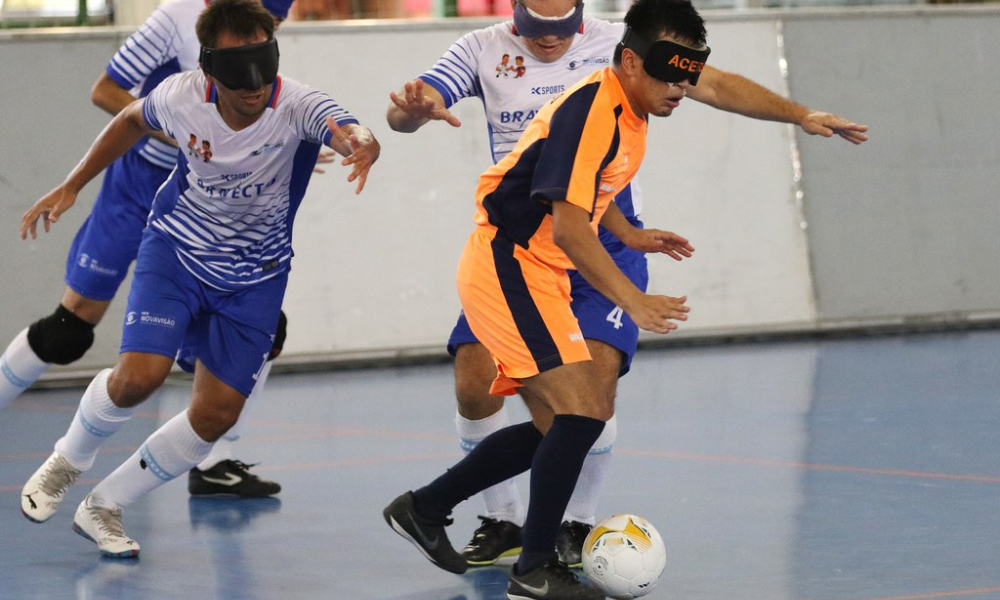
{"x":554,"y":472}
{"x":497,"y":458}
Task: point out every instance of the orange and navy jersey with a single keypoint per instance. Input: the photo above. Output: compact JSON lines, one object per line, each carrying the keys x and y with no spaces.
{"x":583,"y":147}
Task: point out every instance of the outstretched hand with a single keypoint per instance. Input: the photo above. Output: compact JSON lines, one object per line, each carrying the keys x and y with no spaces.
{"x":416,"y":105}
{"x":659,"y":313}
{"x":663,"y":242}
{"x":49,"y":208}
{"x":363,"y":150}
{"x":828,"y":124}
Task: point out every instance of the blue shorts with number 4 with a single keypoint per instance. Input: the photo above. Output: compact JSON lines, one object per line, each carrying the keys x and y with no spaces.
{"x":599,"y":318}
{"x":172,"y":313}
{"x":108,"y":240}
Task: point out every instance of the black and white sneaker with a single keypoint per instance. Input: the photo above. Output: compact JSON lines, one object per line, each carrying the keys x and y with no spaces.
{"x":551,"y":581}
{"x":492,"y":541}
{"x":428,"y":535}
{"x":569,"y":543}
{"x":230,"y":478}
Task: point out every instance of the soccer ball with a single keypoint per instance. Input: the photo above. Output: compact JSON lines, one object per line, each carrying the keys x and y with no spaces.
{"x":624,"y":556}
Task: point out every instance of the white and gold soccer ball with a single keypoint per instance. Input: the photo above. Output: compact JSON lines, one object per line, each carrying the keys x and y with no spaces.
{"x":624,"y":556}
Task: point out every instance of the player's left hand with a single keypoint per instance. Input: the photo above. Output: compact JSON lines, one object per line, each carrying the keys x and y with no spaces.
{"x":828,"y":125}
{"x":326,"y":156}
{"x":49,"y":208}
{"x":360,"y":148}
{"x":664,"y":242}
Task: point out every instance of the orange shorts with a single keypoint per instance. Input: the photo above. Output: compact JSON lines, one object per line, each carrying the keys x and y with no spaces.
{"x":519,"y":308}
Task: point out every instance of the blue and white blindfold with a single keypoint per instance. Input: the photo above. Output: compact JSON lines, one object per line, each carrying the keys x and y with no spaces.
{"x":530,"y":24}
{"x":665,"y":60}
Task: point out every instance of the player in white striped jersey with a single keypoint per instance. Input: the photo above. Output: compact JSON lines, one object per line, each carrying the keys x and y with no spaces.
{"x":514,"y":67}
{"x":108,"y":241}
{"x":212,"y":265}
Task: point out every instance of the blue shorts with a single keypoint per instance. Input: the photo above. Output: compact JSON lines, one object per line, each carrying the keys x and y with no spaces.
{"x":108,"y":241}
{"x":599,"y":318}
{"x":172,"y":313}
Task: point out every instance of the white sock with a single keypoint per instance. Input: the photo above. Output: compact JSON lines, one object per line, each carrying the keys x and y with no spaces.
{"x":19,"y":368}
{"x":223,"y":448}
{"x":95,"y":421}
{"x":583,"y":504}
{"x":503,"y":501}
{"x":171,"y":451}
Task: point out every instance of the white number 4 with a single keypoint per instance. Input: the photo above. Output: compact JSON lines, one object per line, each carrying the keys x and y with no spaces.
{"x":615,"y":316}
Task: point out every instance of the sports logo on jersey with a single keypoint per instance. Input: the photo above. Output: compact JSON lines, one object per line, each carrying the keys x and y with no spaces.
{"x":268,"y":148}
{"x":593,"y":60}
{"x":547,"y":90}
{"x":201,"y":150}
{"x":505,"y":69}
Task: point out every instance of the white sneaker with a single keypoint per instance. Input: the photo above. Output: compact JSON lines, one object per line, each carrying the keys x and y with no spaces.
{"x":46,"y":489}
{"x":104,"y":527}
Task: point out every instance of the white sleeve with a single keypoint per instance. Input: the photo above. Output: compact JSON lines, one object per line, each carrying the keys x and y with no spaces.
{"x":149,"y":47}
{"x":456,"y":73}
{"x":309,"y":110}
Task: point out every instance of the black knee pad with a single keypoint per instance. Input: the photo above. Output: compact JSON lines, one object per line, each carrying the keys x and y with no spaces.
{"x":279,"y":336}
{"x":61,"y":337}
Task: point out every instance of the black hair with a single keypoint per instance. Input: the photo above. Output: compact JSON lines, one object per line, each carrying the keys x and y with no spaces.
{"x":244,"y":19}
{"x":652,"y":19}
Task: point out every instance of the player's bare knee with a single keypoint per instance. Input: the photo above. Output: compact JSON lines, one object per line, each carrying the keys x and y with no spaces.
{"x":130,"y":386}
{"x":211,"y":423}
{"x":475,"y":402}
{"x":60,"y":338}
{"x":474,"y":374}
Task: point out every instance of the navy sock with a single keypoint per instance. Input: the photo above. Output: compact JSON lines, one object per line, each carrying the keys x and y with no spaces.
{"x":497,"y":458}
{"x":554,"y":472}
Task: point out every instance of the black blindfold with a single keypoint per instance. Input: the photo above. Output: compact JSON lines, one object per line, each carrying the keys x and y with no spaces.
{"x":244,"y":67}
{"x":666,"y":60}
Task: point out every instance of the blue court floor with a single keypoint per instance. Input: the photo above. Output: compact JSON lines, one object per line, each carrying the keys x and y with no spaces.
{"x":835,"y":469}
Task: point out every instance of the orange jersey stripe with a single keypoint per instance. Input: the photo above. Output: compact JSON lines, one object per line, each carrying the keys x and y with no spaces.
{"x":582,"y":147}
{"x":518,"y":308}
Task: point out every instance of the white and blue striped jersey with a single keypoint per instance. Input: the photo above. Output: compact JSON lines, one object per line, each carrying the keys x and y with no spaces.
{"x":228,"y":206}
{"x":164,"y":45}
{"x":494,"y":65}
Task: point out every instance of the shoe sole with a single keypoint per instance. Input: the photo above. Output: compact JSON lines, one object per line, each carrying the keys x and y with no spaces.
{"x":230,"y":495}
{"x":402,"y":532}
{"x":513,"y":552}
{"x":33,"y":519}
{"x":126,"y":554}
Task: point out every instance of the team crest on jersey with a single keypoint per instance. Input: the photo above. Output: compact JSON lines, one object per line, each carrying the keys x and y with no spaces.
{"x":506,"y":69}
{"x":202,"y":149}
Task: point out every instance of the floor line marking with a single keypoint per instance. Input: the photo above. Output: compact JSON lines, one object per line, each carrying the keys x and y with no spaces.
{"x":760,"y":462}
{"x":947,"y":594}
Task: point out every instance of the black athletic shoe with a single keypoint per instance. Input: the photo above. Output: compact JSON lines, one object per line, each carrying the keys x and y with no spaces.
{"x":569,"y":543}
{"x":492,"y":541}
{"x":551,"y":581}
{"x":428,"y":535}
{"x":230,"y":478}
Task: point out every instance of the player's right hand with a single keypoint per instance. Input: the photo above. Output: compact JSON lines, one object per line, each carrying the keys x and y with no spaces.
{"x":415,"y":104}
{"x":659,"y":313}
{"x":49,"y":208}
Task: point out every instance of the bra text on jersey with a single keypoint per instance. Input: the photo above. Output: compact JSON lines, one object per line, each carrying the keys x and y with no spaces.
{"x":517,"y":116}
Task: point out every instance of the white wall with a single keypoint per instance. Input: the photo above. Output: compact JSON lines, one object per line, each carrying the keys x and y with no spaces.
{"x":374,"y":273}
